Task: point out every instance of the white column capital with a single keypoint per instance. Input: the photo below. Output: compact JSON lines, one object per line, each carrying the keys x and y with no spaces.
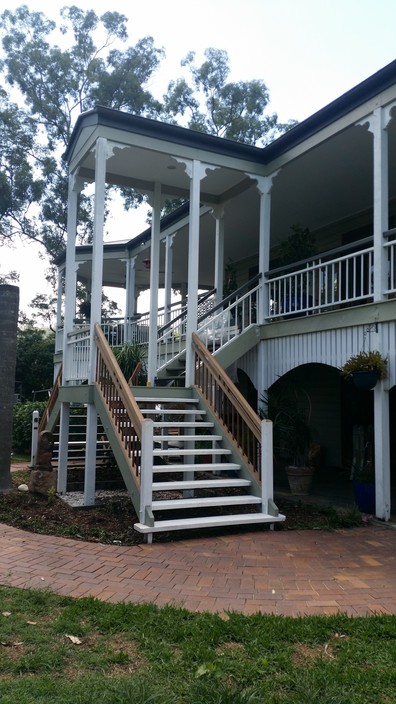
{"x":109,"y":147}
{"x":264,"y":183}
{"x":76,"y":182}
{"x":196,"y":167}
{"x":217,"y":212}
{"x":379,"y":119}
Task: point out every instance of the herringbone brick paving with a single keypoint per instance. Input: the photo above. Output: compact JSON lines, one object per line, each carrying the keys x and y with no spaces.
{"x":290,"y":573}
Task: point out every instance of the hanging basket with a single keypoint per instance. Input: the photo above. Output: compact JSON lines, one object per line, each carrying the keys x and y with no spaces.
{"x":365,"y":380}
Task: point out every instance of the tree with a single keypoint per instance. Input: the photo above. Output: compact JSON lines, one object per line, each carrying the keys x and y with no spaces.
{"x":9,"y":302}
{"x":233,"y":110}
{"x":20,"y":186}
{"x":54,"y":85}
{"x":34,"y":361}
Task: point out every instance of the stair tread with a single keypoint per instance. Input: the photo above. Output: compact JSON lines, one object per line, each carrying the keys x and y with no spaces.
{"x":160,"y":399}
{"x":173,"y":411}
{"x":201,"y":484}
{"x":208,"y":522}
{"x":172,"y":504}
{"x":204,"y":467}
{"x":161,"y":452}
{"x":182,"y":424}
{"x":187,"y":438}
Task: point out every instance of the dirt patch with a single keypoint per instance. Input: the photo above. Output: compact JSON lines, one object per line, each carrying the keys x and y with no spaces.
{"x":111,"y":520}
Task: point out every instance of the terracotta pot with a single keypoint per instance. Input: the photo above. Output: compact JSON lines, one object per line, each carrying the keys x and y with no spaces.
{"x":300,"y":479}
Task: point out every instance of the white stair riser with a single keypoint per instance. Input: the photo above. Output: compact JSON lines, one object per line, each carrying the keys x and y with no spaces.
{"x":201,"y":484}
{"x":172,"y":452}
{"x":209,"y":522}
{"x":211,"y":501}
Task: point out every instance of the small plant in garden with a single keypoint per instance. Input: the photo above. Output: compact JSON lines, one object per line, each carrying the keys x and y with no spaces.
{"x":51,"y":493}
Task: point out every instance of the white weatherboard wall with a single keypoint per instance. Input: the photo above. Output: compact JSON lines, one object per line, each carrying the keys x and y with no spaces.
{"x":332,"y":347}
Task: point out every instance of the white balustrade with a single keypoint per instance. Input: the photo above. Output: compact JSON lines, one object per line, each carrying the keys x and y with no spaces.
{"x":218,"y":329}
{"x":77,"y":359}
{"x":322,"y":285}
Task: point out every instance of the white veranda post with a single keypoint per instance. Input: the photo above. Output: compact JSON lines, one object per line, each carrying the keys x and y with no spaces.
{"x":218,"y":214}
{"x":264,"y":186}
{"x":155,"y":202}
{"x":101,"y":154}
{"x":197,"y":171}
{"x":378,"y":123}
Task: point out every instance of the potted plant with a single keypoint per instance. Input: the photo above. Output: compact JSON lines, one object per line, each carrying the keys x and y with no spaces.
{"x":290,"y":412}
{"x":362,"y":472}
{"x":365,"y":369}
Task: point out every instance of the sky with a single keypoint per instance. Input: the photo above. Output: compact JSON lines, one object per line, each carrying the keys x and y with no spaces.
{"x":308,"y":52}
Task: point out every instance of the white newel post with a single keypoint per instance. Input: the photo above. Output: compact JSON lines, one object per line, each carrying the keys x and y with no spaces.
{"x":146,"y":475}
{"x":267,"y":464}
{"x":382,"y":451}
{"x":35,"y":427}
{"x":154,"y":285}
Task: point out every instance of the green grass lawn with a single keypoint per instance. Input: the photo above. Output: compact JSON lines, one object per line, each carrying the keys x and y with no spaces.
{"x":140,"y":654}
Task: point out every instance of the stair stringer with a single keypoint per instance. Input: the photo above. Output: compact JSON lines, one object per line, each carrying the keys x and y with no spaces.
{"x":238,"y":346}
{"x":225,"y":355}
{"x":123,"y":461}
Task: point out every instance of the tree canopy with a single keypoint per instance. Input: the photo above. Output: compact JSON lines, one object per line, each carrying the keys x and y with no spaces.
{"x":55,"y":71}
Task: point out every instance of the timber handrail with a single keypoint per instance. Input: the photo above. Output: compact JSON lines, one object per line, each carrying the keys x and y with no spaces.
{"x":125,"y":412}
{"x":201,"y":299}
{"x":51,"y":401}
{"x":231,"y":297}
{"x":227,"y":402}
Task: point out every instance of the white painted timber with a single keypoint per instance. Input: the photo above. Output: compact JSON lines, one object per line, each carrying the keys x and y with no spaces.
{"x":212,"y":467}
{"x":182,"y":424}
{"x":187,"y":438}
{"x":209,"y":522}
{"x":169,"y":452}
{"x":161,"y":399}
{"x":201,"y":484}
{"x":209,"y":501}
{"x":173,"y":411}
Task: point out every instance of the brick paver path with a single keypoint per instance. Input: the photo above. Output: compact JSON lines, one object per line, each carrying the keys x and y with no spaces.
{"x":291,"y":573}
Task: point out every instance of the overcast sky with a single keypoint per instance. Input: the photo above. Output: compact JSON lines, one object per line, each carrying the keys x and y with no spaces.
{"x":308,"y":52}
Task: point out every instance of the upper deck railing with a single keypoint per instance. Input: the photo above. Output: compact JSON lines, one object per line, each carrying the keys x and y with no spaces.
{"x":332,"y":280}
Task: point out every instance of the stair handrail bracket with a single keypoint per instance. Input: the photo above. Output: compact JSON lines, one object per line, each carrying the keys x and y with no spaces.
{"x":123,"y":409}
{"x":252,"y":436}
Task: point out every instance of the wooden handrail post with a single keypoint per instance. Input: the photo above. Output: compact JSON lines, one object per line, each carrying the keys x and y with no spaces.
{"x":267,"y":464}
{"x":146,"y":472}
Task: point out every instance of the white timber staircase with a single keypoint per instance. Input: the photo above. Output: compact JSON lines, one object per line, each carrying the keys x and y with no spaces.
{"x":195,"y":470}
{"x":190,"y":458}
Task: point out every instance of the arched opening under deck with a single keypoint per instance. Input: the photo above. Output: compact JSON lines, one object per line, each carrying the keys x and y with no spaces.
{"x":335,"y":409}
